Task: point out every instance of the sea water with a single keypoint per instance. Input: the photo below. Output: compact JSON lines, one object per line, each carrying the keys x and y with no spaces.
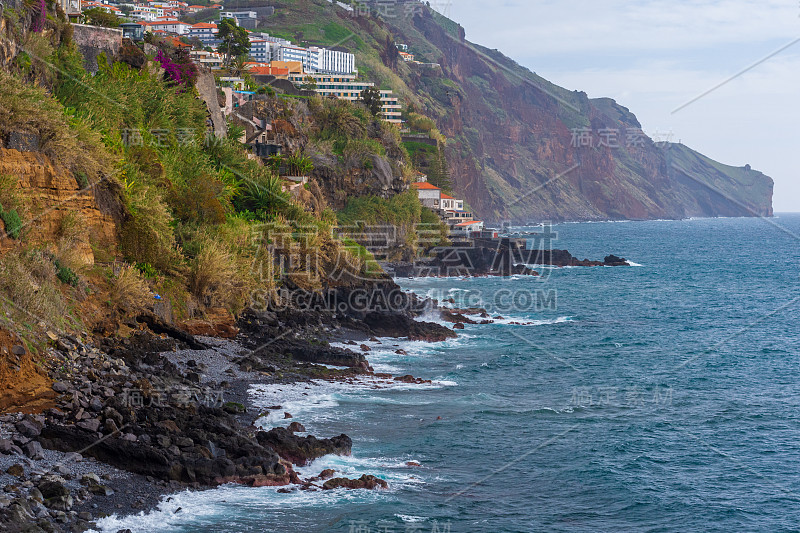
{"x":659,"y":397}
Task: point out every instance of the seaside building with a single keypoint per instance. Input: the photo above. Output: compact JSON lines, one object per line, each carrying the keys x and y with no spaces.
{"x":246,"y":19}
{"x":132,"y":31}
{"x":345,"y":87}
{"x":207,"y":59}
{"x":206,"y":32}
{"x":450,"y":209}
{"x":260,"y":50}
{"x":170,"y":26}
{"x":429,"y":195}
{"x":468,"y":229}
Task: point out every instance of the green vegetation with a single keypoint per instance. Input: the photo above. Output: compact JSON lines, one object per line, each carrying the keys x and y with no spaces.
{"x":198,"y":221}
{"x":234,"y":40}
{"x":97,"y":16}
{"x":371,"y":98}
{"x":13,"y":222}
{"x":65,"y":274}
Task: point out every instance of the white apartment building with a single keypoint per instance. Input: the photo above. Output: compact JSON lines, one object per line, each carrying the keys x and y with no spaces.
{"x":332,"y":61}
{"x":170,"y":26}
{"x":245,"y":19}
{"x":144,"y":8}
{"x":345,"y":87}
{"x":261,"y":50}
{"x":293,"y":53}
{"x":317,"y":60}
{"x":205,"y":31}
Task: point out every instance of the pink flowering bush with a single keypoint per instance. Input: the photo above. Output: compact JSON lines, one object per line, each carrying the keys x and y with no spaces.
{"x":181,"y":73}
{"x":40,"y":15}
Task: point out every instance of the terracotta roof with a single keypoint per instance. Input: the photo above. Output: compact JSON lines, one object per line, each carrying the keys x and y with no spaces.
{"x":471,"y":222}
{"x":204,"y":25}
{"x":268,"y":71}
{"x":447,"y":197}
{"x":425,"y":185}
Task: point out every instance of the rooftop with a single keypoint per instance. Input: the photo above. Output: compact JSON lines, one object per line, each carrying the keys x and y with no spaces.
{"x":426,"y":186}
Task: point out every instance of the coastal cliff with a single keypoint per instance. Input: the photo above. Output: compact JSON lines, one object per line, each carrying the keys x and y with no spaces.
{"x":519,"y":147}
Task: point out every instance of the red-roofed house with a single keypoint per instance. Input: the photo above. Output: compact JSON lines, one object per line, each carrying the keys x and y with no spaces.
{"x":205,"y":31}
{"x":468,"y":228}
{"x":429,"y":195}
{"x":448,"y":203}
{"x":259,"y":70}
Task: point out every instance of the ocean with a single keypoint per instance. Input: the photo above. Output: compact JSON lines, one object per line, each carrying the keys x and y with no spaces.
{"x":658,"y":397}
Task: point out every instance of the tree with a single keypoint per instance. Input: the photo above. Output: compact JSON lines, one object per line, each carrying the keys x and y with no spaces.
{"x":390,"y":54}
{"x":234,"y":39}
{"x":309,"y":84}
{"x":371,"y":98}
{"x":439,"y":172}
{"x":100,"y":17}
{"x":237,"y":66}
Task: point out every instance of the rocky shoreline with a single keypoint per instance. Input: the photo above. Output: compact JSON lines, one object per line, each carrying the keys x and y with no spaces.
{"x":137,"y":418}
{"x":133,"y":419}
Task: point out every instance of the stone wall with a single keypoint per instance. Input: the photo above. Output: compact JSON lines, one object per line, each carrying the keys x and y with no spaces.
{"x":94,"y":40}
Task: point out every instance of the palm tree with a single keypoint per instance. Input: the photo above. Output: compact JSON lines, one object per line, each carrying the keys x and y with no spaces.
{"x":237,"y":66}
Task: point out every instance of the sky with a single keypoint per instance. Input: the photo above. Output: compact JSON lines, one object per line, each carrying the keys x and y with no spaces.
{"x":655,"y":57}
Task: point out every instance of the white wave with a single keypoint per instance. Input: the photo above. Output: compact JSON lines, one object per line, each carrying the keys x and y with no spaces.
{"x":631,"y":263}
{"x":511,"y":321}
{"x":191,"y":511}
{"x":411,"y":518}
{"x":314,"y":402}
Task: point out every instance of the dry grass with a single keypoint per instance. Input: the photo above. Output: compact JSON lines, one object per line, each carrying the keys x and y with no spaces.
{"x":68,"y":141}
{"x":70,"y":239}
{"x":215,"y":278}
{"x":29,"y":289}
{"x":148,"y":236}
{"x":130,"y":292}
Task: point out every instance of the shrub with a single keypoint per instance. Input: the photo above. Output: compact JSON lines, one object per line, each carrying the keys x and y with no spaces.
{"x":263,"y":195}
{"x":147,"y":237}
{"x":12,"y":221}
{"x":82,"y":179}
{"x":214,"y":277}
{"x":66,"y":274}
{"x":129,"y":291}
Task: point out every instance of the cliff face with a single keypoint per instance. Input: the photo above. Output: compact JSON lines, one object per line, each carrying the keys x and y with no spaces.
{"x":525,"y":149}
{"x":52,"y":194}
{"x":521,"y":148}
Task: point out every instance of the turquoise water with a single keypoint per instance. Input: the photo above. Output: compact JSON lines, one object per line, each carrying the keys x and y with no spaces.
{"x":661,"y":397}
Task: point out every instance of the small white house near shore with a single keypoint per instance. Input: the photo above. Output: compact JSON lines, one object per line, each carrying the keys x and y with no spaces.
{"x":449,"y":209}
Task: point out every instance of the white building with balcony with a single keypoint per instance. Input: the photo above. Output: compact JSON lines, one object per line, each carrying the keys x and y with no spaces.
{"x":345,"y":87}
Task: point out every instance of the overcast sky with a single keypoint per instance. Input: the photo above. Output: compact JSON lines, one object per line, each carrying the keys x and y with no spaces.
{"x":655,"y":56}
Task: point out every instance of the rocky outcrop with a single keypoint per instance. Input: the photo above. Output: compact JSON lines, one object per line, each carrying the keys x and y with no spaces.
{"x":493,"y":257}
{"x":57,"y":194}
{"x":364,"y":482}
{"x":302,"y":450}
{"x":23,"y":382}
{"x":207,"y":89}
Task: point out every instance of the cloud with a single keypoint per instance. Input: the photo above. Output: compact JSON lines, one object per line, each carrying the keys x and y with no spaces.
{"x":653,"y":57}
